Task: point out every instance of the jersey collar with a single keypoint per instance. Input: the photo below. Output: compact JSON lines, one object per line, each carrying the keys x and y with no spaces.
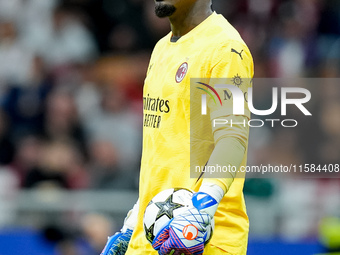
{"x":195,"y":31}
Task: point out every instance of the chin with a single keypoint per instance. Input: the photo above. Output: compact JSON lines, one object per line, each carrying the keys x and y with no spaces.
{"x":163,"y":10}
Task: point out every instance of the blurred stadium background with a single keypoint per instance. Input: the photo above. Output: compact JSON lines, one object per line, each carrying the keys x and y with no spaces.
{"x":71,"y":79}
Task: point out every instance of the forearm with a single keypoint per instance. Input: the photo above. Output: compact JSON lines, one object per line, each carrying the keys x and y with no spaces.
{"x":230,"y":147}
{"x":228,"y":152}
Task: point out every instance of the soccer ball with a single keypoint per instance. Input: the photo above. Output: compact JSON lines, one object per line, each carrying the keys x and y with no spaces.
{"x":163,"y":207}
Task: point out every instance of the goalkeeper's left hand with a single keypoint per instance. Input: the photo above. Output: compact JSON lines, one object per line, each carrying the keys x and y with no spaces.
{"x":187,"y":233}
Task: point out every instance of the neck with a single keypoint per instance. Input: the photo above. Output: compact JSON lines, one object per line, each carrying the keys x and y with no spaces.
{"x":188,"y":19}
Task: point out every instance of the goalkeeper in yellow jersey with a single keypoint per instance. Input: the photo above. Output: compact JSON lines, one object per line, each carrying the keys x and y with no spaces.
{"x":201,"y":44}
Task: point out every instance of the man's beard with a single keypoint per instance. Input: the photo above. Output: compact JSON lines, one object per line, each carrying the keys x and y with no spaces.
{"x":164,"y":10}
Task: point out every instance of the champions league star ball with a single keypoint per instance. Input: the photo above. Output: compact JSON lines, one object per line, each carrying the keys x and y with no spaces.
{"x":163,"y":207}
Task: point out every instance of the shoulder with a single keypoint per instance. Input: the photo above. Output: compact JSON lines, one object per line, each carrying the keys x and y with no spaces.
{"x":160,"y":47}
{"x":224,"y":35}
{"x":162,"y":43}
{"x":228,"y":48}
{"x":222,"y":42}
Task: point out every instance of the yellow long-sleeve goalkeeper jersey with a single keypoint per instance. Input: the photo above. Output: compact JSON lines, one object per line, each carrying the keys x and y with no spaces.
{"x":213,"y":49}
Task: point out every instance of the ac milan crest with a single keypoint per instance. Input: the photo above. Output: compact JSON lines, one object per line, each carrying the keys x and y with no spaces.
{"x":181,"y":72}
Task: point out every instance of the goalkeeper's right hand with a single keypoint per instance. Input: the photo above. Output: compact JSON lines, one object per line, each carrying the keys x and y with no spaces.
{"x":119,"y":242}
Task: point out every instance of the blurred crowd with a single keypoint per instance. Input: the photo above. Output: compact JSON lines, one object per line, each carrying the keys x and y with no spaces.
{"x":71,"y":81}
{"x":70,"y":100}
